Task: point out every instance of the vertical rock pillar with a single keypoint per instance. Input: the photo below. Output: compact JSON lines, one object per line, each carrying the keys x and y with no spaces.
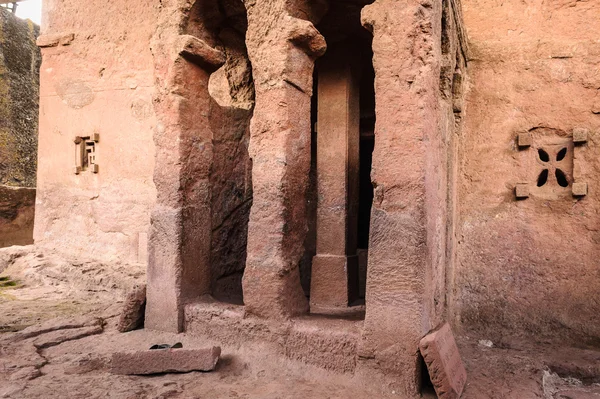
{"x":404,"y":237}
{"x":180,"y":233}
{"x":282,"y":50}
{"x":334,"y":280}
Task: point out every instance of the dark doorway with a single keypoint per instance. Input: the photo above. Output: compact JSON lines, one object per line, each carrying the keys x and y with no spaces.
{"x":342,"y":28}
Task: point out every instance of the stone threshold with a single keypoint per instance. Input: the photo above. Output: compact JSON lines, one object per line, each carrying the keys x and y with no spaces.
{"x":327,"y":341}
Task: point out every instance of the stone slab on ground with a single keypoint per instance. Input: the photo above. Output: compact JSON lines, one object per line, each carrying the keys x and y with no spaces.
{"x":165,"y":361}
{"x":444,"y":363}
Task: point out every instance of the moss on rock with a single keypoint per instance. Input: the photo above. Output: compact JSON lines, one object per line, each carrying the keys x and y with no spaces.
{"x":19,"y":100}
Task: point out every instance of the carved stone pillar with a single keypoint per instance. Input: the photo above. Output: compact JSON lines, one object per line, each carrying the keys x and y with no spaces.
{"x":180,"y":233}
{"x":282,"y":50}
{"x":407,"y":235}
{"x":334,"y":281}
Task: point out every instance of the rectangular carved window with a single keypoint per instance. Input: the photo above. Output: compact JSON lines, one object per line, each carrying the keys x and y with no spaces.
{"x":85,"y":153}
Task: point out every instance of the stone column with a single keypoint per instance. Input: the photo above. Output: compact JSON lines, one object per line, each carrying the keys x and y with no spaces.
{"x":180,"y":233}
{"x":282,"y":50}
{"x":334,"y":281}
{"x":406,"y":237}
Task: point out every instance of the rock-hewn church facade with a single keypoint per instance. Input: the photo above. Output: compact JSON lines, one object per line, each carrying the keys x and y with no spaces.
{"x":333,"y":178}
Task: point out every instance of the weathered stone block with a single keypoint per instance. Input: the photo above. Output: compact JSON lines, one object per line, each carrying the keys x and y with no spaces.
{"x":132,"y":316}
{"x":522,"y":190}
{"x":524,"y":140}
{"x":199,"y":52}
{"x":580,"y":135}
{"x":443,"y":361}
{"x":579,"y":189}
{"x":165,"y":361}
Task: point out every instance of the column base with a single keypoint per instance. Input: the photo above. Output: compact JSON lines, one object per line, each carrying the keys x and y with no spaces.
{"x":334,"y":282}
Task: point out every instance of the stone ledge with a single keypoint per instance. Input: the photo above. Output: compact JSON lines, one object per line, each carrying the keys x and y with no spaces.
{"x":54,"y":40}
{"x":199,"y":52}
{"x":329,"y":343}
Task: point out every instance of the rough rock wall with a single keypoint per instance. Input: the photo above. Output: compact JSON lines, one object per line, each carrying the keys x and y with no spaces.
{"x":17,"y":208}
{"x":232,"y":89}
{"x":231,"y":192}
{"x":530,"y":266}
{"x":19,"y":91}
{"x":96,"y":77}
{"x":204,"y":100}
{"x":416,"y":58}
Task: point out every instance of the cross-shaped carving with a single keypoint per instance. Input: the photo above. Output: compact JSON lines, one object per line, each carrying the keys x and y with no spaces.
{"x":554,"y":161}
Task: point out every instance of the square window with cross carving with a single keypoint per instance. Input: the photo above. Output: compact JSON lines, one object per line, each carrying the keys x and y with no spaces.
{"x":548,"y":164}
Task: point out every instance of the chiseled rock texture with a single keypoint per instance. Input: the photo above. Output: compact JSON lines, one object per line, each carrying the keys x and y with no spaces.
{"x":206,"y":161}
{"x":529,"y":267}
{"x":203,"y":175}
{"x":165,"y":361}
{"x":132,"y":315}
{"x":19,"y":90}
{"x":96,"y":80}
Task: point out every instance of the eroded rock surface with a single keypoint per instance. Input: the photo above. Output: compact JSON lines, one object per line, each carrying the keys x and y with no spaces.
{"x":17,"y":211}
{"x":132,"y":315}
{"x":19,"y":91}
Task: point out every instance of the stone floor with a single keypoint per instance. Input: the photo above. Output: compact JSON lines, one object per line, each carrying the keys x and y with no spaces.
{"x":58,"y":331}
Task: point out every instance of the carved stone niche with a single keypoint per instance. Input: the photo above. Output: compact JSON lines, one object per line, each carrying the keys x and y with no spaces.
{"x":85,"y":153}
{"x":547,"y":164}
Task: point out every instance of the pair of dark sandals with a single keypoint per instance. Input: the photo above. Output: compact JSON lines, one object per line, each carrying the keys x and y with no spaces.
{"x":178,"y":345}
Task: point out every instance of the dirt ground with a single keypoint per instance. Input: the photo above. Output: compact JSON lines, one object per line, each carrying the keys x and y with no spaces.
{"x":58,"y":330}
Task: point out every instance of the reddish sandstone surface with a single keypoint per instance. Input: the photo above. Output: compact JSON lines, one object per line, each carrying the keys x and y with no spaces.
{"x":529,"y":267}
{"x":79,"y":315}
{"x":206,"y":173}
